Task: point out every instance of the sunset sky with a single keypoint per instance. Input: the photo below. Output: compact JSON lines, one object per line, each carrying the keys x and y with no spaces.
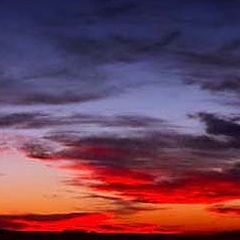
{"x":120,"y":115}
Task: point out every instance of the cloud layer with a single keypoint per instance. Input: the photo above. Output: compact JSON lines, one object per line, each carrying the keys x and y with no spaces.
{"x":137,"y":102}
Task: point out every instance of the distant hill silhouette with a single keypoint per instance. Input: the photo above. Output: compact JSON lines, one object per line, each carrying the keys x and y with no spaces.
{"x":18,"y":235}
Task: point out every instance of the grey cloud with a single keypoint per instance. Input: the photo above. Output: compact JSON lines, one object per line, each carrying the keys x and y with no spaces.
{"x":215,"y":71}
{"x":46,"y":64}
{"x":152,"y":150}
{"x":220,"y":126}
{"x":31,"y":120}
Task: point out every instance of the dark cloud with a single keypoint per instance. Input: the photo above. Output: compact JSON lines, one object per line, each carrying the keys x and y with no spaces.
{"x":133,"y":228}
{"x":220,"y":65}
{"x":231,"y":46}
{"x":234,"y":171}
{"x":65,"y":98}
{"x":115,"y":48}
{"x":125,"y":121}
{"x":211,"y":59}
{"x":231,"y":84}
{"x":67,"y":64}
{"x":25,"y":120}
{"x":122,"y":206}
{"x":31,"y":120}
{"x":54,"y":222}
{"x":61,"y":91}
{"x":152,"y":149}
{"x":112,"y":10}
{"x":20,"y":119}
{"x":68,"y":46}
{"x":226,"y":209}
{"x":220,"y":126}
{"x":10,"y":225}
{"x":45,"y":218}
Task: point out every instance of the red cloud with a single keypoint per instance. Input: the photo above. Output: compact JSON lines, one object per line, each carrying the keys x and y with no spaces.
{"x":191,"y":187}
{"x":126,"y":177}
{"x":113,"y":165}
{"x":85,"y":222}
{"x":55,"y":222}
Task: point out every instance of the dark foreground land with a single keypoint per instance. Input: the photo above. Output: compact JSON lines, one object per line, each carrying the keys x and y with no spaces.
{"x":8,"y":235}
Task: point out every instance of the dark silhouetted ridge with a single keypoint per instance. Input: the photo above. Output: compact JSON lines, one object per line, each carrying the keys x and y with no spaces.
{"x":68,"y":235}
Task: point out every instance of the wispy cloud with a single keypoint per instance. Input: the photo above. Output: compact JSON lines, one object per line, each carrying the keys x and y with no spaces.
{"x":230,"y":209}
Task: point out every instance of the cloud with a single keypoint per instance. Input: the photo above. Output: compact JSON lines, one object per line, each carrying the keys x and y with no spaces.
{"x":219,"y":126}
{"x":229,"y":209}
{"x":231,"y":46}
{"x":153,"y":147}
{"x":64,"y":98}
{"x":72,"y":52}
{"x":235,"y":170}
{"x":208,"y":187}
{"x":46,"y":218}
{"x":220,"y":65}
{"x":54,"y":222}
{"x":74,"y":60}
{"x":10,"y":225}
{"x":22,"y":120}
{"x":116,"y":48}
{"x":148,"y":169}
{"x":36,"y":120}
{"x":106,"y":150}
{"x":129,"y":121}
{"x":85,"y":222}
{"x":65,"y":68}
{"x":115,"y":10}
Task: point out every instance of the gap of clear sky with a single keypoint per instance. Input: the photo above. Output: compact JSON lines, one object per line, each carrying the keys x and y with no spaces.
{"x":120,"y":115}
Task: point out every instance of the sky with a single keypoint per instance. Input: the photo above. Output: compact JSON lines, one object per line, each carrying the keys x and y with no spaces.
{"x":120,"y":115}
